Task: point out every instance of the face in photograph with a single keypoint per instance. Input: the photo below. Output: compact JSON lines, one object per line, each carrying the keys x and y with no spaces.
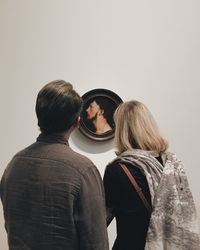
{"x":93,"y":110}
{"x":100,"y":113}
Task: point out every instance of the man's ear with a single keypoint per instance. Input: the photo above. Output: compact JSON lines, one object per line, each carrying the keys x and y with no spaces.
{"x":100,"y":112}
{"x":77,"y":122}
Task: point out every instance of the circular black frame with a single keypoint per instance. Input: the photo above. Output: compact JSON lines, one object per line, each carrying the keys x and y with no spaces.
{"x":86,"y":126}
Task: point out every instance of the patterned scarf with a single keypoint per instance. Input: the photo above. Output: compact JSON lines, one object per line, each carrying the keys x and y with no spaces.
{"x":173,"y":223}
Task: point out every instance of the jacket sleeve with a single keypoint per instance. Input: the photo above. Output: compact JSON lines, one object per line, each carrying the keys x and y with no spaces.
{"x":1,"y":188}
{"x":90,"y":216}
{"x":110,"y":187}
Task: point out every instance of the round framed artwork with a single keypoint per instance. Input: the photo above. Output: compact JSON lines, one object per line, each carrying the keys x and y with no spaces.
{"x":96,"y":120}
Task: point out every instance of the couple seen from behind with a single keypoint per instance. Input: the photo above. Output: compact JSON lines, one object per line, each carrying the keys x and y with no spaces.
{"x":54,"y":198}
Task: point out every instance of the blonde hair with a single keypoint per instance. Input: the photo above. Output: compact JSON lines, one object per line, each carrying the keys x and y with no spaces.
{"x":135,"y":128}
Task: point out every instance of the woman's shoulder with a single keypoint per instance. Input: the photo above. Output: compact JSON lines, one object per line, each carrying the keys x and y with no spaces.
{"x":115,"y":166}
{"x":112,"y":166}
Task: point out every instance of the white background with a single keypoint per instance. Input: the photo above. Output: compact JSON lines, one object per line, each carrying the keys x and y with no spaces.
{"x":147,"y":50}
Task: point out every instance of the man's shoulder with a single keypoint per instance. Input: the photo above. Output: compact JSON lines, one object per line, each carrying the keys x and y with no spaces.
{"x":62,"y":154}
{"x":81,"y":162}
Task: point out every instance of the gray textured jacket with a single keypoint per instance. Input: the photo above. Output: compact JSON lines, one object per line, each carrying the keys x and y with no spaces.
{"x":53,"y":199}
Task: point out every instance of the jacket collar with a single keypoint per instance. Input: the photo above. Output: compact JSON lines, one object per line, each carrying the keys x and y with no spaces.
{"x":52,"y":138}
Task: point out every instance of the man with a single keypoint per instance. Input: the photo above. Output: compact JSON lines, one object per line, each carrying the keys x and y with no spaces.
{"x":52,"y":196}
{"x":98,"y":112}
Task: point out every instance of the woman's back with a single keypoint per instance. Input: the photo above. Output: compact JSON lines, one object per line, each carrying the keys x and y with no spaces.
{"x":132,"y":217}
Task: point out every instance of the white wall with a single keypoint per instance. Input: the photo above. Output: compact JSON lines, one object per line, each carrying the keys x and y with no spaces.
{"x":146,"y":50}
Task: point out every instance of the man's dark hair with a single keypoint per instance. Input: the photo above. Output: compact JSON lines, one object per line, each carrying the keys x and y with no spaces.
{"x":57,"y":107}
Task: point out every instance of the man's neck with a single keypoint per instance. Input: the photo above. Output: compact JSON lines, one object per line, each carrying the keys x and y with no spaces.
{"x":68,"y":133}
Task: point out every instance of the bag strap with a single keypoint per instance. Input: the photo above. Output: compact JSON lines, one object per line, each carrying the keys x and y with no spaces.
{"x":136,"y":186}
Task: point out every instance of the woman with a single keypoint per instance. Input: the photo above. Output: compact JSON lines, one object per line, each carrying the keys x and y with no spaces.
{"x":163,"y":215}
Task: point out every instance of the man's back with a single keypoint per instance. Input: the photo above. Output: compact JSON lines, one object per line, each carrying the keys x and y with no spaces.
{"x":53,"y":199}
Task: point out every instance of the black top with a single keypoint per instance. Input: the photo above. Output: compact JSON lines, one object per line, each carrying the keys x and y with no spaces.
{"x":131,"y":215}
{"x":53,"y":199}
